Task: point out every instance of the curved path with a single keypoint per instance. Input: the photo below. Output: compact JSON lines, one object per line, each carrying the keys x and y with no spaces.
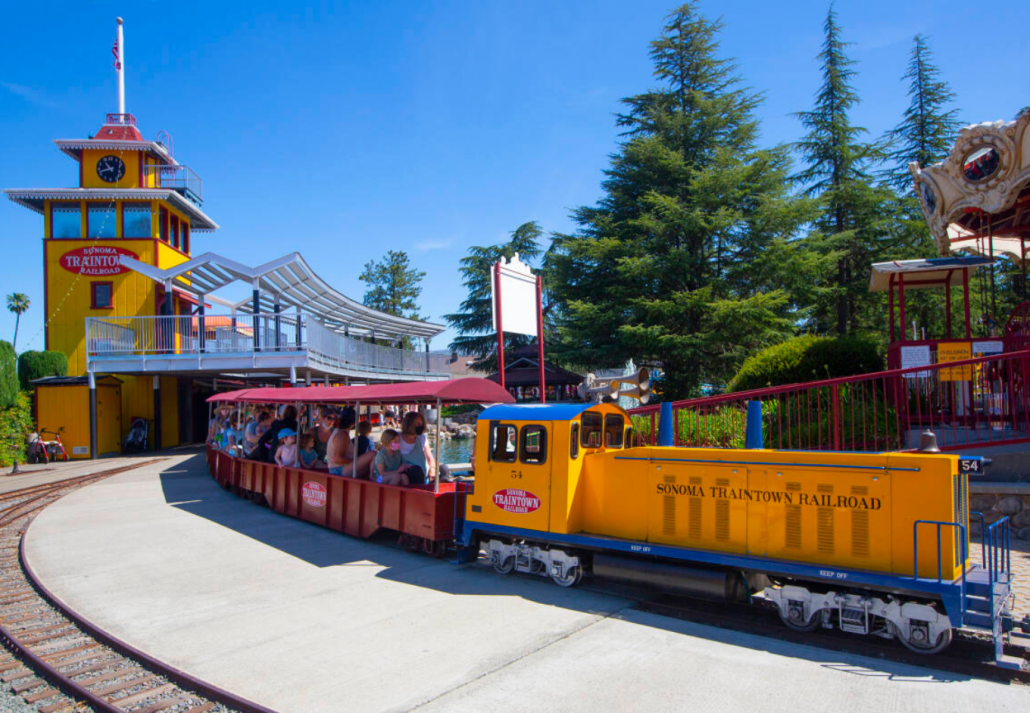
{"x":299,"y":618}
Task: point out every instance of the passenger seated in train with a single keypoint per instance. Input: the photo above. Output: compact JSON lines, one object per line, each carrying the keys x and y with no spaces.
{"x":269,"y":443}
{"x":415,"y":451}
{"x":286,"y":453}
{"x":253,"y":432}
{"x":307,"y":457}
{"x":364,"y":438}
{"x":389,"y":466}
{"x":340,"y":450}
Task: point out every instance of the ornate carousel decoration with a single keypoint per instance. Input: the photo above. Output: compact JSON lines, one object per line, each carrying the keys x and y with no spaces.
{"x":978,"y":199}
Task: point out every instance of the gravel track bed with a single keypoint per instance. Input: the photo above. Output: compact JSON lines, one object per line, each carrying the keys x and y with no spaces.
{"x":67,"y":649}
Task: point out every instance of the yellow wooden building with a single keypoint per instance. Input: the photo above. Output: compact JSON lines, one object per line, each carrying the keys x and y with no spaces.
{"x":132,"y":199}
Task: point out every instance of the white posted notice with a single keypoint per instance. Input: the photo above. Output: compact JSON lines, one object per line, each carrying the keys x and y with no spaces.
{"x":912,"y":357}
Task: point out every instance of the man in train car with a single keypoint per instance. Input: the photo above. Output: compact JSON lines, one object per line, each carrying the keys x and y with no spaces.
{"x":255,"y":429}
{"x":269,"y":442}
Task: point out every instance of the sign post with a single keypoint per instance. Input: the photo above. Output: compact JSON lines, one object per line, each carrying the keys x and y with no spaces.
{"x":518,"y":305}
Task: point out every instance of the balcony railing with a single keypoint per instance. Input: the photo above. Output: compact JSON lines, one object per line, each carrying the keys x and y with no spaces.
{"x":120,"y":120}
{"x":178,"y":178}
{"x":252,"y":337}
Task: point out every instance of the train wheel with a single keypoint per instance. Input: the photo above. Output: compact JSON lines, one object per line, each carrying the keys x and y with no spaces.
{"x":794,"y":619}
{"x":506,"y":567}
{"x":917,"y":642}
{"x":573,"y":576}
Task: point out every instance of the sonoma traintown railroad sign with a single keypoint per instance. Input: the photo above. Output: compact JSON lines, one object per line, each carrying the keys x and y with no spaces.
{"x":96,"y":261}
{"x":516,"y":501}
{"x":313,"y":494}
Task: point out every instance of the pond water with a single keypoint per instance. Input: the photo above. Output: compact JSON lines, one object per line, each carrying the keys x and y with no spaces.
{"x":454,"y":451}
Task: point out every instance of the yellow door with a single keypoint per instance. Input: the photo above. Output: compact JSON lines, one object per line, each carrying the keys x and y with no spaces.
{"x":109,"y":419}
{"x":519,"y":475}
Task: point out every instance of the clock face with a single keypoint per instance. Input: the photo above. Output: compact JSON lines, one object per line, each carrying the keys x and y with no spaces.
{"x":110,"y":169}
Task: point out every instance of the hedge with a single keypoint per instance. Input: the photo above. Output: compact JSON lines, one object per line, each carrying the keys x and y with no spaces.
{"x":15,"y":426}
{"x":8,"y":376}
{"x":807,"y":358}
{"x":36,"y":365}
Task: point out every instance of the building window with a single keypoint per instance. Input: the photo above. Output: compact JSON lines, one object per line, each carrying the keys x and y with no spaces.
{"x":162,"y":219}
{"x":102,"y":220}
{"x":101,"y":295}
{"x":65,"y":220}
{"x":136,"y":220}
{"x":534,"y":444}
{"x":175,"y":231}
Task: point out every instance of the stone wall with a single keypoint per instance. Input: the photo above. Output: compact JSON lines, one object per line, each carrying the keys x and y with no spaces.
{"x":996,"y":504}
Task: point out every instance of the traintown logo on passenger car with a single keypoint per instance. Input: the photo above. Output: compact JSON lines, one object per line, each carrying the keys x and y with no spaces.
{"x":313,"y":494}
{"x":516,"y":501}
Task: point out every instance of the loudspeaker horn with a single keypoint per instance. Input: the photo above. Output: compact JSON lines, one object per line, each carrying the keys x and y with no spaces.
{"x":641,"y":383}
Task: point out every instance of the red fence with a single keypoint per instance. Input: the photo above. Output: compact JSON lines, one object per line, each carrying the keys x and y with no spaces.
{"x":974,"y":402}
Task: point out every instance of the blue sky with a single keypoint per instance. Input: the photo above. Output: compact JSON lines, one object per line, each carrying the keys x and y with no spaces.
{"x":345,"y":129}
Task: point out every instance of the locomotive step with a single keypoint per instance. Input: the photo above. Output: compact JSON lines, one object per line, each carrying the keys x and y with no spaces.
{"x":978,"y":582}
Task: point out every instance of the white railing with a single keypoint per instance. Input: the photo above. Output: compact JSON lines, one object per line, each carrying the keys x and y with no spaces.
{"x":252,"y":335}
{"x":178,"y":178}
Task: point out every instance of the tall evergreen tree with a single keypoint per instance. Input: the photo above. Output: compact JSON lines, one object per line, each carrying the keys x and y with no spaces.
{"x":928,"y":129}
{"x":855,"y":213}
{"x":474,"y":321}
{"x":671,"y":267}
{"x":393,"y":285}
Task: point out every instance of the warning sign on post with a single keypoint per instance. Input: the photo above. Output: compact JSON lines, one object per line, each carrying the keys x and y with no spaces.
{"x":911,"y":357}
{"x":955,"y":351}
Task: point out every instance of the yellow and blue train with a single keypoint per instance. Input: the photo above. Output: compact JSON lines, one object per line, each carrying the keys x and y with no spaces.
{"x":874,"y":544}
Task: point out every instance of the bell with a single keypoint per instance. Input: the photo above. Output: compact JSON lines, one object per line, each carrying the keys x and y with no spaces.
{"x":928,"y":442}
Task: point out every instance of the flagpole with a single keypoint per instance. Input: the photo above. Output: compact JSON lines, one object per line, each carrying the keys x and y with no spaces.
{"x":121,"y":69}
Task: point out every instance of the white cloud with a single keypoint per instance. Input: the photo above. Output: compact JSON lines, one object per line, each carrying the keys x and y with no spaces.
{"x":29,"y":94}
{"x":429,"y":245}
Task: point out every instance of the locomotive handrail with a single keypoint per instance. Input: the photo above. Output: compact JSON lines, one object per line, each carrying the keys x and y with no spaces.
{"x":915,"y":547}
{"x":983,"y":536}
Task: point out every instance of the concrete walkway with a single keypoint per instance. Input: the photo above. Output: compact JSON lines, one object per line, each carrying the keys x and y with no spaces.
{"x":299,"y":618}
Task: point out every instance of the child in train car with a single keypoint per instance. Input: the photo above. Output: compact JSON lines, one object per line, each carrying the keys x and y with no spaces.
{"x":307,"y":457}
{"x":389,"y":465}
{"x":286,"y":454}
{"x":364,"y":440}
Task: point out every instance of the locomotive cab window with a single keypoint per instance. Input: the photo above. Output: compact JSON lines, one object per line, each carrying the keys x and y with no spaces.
{"x":533,"y":446}
{"x":629,"y":442}
{"x":574,"y":442}
{"x":502,"y":446}
{"x":613,"y":425}
{"x":593,"y":425}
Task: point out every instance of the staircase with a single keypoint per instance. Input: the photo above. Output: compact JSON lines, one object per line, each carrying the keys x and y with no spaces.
{"x":987,"y":588}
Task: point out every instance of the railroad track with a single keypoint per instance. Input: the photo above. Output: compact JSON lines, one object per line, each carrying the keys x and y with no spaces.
{"x":58,"y":662}
{"x":969,"y":654}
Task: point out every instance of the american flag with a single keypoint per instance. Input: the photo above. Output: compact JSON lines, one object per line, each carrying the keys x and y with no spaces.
{"x":117,"y":60}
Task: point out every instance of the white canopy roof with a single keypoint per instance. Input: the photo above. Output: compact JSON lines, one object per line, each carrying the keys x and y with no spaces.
{"x":920,"y":274}
{"x":295,"y":284}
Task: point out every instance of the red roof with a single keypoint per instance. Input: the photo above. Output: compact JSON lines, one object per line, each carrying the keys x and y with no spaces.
{"x":109,"y":132}
{"x":450,"y":391}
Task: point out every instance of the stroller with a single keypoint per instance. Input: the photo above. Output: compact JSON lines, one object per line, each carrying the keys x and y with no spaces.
{"x":136,"y":440}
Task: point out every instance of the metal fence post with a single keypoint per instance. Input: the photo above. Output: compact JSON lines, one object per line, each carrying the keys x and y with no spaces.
{"x":835,"y":415}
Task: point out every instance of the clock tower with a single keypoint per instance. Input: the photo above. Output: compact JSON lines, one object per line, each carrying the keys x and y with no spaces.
{"x":133,"y":198}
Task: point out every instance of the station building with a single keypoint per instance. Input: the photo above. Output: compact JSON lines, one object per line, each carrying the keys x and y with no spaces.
{"x":137,"y":314}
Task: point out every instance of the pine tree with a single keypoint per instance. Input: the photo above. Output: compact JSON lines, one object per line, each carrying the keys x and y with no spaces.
{"x":474,"y":321}
{"x":393,"y":285}
{"x":672,"y":267}
{"x":927,"y":130}
{"x":854,"y":211}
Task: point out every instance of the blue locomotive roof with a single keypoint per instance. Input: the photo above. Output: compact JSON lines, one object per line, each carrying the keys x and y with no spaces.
{"x":534,"y":412}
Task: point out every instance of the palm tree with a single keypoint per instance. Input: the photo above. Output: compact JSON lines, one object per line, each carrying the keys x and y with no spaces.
{"x":17,"y":302}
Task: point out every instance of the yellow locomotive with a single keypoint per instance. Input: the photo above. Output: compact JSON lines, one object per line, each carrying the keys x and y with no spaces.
{"x":872,"y":543}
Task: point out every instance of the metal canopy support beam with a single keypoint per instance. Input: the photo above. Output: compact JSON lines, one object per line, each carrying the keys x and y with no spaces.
{"x":257,"y":315}
{"x":93,"y":417}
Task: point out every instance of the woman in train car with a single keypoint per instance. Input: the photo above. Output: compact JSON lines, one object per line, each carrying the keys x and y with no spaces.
{"x":415,"y":452}
{"x":340,"y":451}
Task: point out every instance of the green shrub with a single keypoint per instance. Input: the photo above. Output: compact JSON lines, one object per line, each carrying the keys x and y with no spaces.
{"x":8,"y":376}
{"x":451,"y":411}
{"x":807,"y":358}
{"x":15,"y":426}
{"x":36,"y":365}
